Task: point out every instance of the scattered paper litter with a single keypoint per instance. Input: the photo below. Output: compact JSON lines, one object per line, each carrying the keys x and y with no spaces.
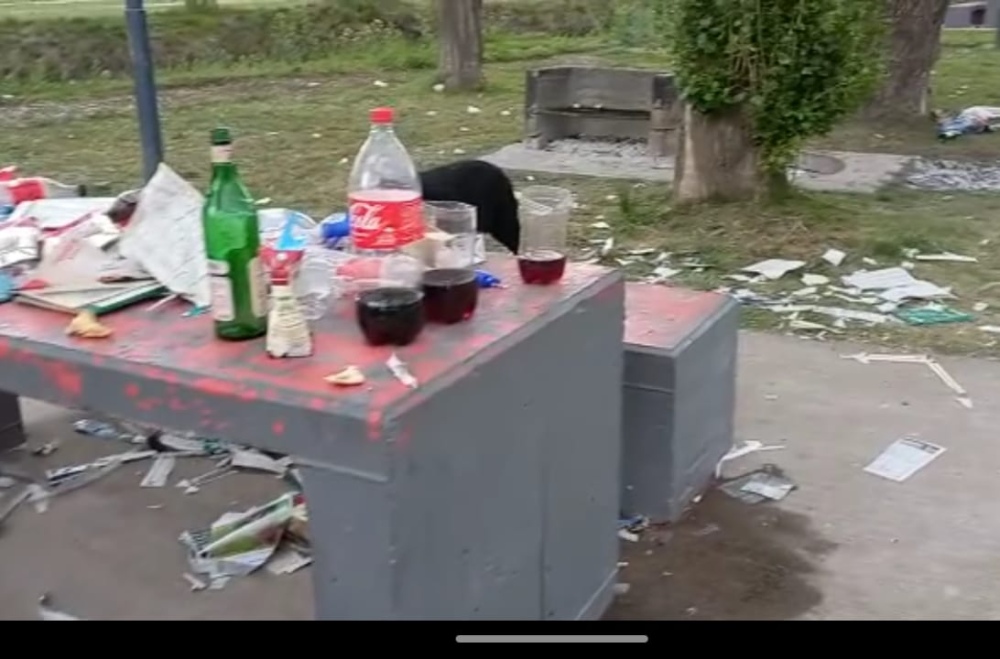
{"x":774,"y":268}
{"x":874,"y":280}
{"x":607,"y":246}
{"x":765,"y":484}
{"x":814,"y":280}
{"x":947,"y":257}
{"x":196,"y":583}
{"x":401,"y":372}
{"x":287,"y":561}
{"x":834,"y":257}
{"x":165,"y":236}
{"x":903,"y":458}
{"x":159,"y":471}
{"x":991,"y":329}
{"x":746,"y":448}
{"x":625,"y":534}
{"x":237,"y":544}
{"x":919,"y":290}
{"x":251,"y":459}
{"x":46,"y":612}
{"x":768,"y":486}
{"x":600,"y":225}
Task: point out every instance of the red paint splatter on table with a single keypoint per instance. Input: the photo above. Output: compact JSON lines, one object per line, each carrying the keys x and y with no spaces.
{"x":166,"y":348}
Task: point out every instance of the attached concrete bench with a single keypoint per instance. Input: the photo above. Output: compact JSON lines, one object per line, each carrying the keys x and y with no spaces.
{"x":679,"y":395}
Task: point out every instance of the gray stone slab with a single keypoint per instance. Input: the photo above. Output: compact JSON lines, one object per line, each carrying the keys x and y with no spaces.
{"x":863,"y":172}
{"x":679,"y":396}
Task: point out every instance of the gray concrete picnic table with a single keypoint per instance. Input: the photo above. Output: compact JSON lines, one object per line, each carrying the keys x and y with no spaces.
{"x":488,"y":492}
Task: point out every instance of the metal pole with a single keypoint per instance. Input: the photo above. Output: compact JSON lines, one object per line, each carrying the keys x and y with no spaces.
{"x":145,"y":87}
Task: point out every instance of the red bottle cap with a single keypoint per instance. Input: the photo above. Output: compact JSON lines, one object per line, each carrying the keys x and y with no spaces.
{"x":382,"y":116}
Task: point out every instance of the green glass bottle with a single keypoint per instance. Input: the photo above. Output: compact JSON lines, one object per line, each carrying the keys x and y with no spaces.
{"x":232,"y":245}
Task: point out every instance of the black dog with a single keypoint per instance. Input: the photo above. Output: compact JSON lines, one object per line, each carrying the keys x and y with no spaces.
{"x":483,"y":185}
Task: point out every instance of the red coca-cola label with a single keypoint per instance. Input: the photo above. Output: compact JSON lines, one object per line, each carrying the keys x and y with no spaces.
{"x":386,"y":219}
{"x":26,"y":189}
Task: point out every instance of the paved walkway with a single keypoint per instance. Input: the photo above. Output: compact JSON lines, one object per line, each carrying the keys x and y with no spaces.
{"x":845,"y":545}
{"x":863,"y":172}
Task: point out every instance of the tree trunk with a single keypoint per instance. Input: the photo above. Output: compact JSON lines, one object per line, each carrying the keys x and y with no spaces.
{"x":914,"y":45}
{"x":716,"y":158}
{"x":460,"y":34}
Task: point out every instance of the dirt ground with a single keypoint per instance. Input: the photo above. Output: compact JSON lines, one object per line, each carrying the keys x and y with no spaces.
{"x":725,"y":561}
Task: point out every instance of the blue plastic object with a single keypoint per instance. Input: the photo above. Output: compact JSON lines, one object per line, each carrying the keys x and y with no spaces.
{"x":6,"y":288}
{"x":486,"y":280}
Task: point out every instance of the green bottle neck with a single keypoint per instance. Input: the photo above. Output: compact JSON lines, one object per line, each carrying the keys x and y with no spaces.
{"x":223,"y":166}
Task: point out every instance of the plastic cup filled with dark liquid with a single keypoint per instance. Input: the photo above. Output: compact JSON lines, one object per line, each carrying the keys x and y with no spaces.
{"x":450,"y":295}
{"x":541,"y":267}
{"x":390,"y":315}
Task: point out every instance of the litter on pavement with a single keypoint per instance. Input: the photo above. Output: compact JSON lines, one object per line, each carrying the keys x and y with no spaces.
{"x":765,"y":484}
{"x":903,"y":458}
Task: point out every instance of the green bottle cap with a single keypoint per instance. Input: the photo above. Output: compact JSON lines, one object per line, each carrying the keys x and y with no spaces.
{"x":221,"y":136}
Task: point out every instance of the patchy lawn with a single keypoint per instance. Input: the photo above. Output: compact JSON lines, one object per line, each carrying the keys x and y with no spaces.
{"x":297,"y":129}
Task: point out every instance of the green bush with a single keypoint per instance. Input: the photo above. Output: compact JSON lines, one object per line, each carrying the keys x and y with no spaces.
{"x":78,"y":48}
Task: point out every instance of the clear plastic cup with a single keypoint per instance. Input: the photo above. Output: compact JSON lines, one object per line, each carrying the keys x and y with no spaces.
{"x":451,"y":292}
{"x":544,"y":212}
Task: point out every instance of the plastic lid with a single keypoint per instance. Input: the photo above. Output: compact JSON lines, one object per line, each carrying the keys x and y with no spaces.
{"x":221,"y":136}
{"x":382,"y":115}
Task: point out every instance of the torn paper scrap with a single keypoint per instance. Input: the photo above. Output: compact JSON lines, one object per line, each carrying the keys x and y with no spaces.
{"x":834,"y":257}
{"x":159,"y":471}
{"x":877,"y":280}
{"x":903,"y":458}
{"x":947,"y":257}
{"x":814,"y":280}
{"x":768,"y":486}
{"x":918,"y":290}
{"x":287,"y":561}
{"x":165,"y":236}
{"x":46,"y":612}
{"x":250,"y":459}
{"x":765,"y":484}
{"x":399,"y":369}
{"x":746,"y":448}
{"x":237,"y":544}
{"x":774,"y":268}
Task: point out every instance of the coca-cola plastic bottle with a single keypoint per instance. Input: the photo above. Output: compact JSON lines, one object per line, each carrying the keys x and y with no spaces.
{"x":384,"y":194}
{"x":13,"y":191}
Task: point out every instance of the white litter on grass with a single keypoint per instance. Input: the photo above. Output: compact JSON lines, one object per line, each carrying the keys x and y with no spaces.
{"x":662,"y":274}
{"x":774,"y":268}
{"x":472,"y":109}
{"x":607,"y":246}
{"x":991,"y":329}
{"x":877,"y":280}
{"x":814,"y":280}
{"x":834,"y":257}
{"x":380,"y":83}
{"x":600,"y":225}
{"x":946,"y":257}
{"x":746,"y":448}
{"x":438,"y":87}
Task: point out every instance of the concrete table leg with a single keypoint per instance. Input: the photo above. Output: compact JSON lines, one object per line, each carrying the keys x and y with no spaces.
{"x":349,"y":536}
{"x":11,"y":429}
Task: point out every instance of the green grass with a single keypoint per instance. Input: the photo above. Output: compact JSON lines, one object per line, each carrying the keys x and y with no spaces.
{"x":35,"y":9}
{"x":295,"y":126}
